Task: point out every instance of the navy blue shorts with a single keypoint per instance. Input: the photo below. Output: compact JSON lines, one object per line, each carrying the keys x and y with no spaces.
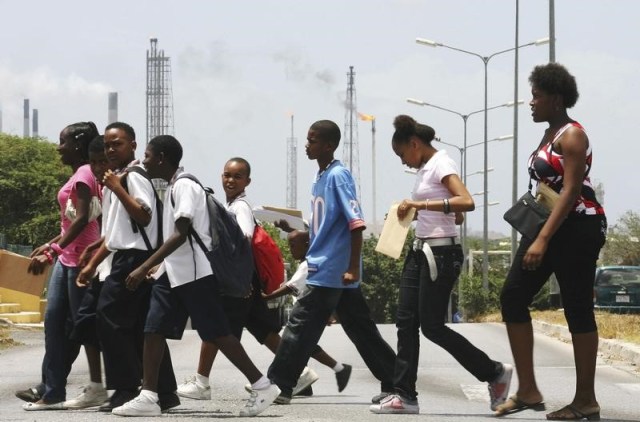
{"x":171,"y":307}
{"x":251,"y":312}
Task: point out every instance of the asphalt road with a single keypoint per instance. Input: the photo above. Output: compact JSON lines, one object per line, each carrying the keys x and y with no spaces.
{"x":447,"y":391}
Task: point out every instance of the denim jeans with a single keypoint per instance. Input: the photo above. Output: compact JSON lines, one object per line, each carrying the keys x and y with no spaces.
{"x":63,"y":301}
{"x":307,"y":322}
{"x":422,"y":304}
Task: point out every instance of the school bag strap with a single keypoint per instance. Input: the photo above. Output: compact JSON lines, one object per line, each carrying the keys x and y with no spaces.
{"x":135,"y":227}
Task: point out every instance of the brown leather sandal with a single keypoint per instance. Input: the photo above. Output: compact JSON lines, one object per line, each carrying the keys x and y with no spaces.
{"x":514,"y":405}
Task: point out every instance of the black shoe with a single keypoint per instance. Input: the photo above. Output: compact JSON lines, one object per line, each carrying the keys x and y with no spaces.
{"x":168,"y":401}
{"x":343,"y":377}
{"x":307,"y":392}
{"x":118,"y":398}
{"x":30,"y":395}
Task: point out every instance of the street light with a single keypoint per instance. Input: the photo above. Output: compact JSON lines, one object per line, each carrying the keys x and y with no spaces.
{"x":490,"y":169}
{"x":465,"y":117}
{"x":463,"y":158}
{"x":485,"y":61}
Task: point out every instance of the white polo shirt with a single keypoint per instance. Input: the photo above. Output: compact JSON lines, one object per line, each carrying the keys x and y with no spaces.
{"x":244,"y":214}
{"x":187,"y":263}
{"x":298,"y":281}
{"x":119,"y":234}
{"x":429,"y":186}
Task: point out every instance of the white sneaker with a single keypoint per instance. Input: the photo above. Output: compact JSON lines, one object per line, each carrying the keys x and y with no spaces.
{"x":91,"y":396}
{"x":190,"y":389}
{"x":140,"y":406}
{"x":394,"y":404}
{"x":307,"y":377}
{"x":499,"y":388}
{"x":260,"y":400}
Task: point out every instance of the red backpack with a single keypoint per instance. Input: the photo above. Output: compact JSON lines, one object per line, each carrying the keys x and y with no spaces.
{"x":268,"y":260}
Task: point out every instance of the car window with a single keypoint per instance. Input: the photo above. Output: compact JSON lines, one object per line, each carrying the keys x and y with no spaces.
{"x":619,"y":277}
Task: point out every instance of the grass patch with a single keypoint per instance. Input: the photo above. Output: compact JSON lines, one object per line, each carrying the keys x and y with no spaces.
{"x":622,"y":327}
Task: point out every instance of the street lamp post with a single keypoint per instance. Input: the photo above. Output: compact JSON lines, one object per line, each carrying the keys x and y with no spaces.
{"x":485,"y":210}
{"x":372,"y":119}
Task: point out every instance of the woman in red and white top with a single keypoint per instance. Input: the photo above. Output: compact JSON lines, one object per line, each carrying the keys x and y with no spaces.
{"x":567,"y":246}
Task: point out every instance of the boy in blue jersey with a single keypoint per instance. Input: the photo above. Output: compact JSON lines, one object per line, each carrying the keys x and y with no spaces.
{"x":335,"y":265}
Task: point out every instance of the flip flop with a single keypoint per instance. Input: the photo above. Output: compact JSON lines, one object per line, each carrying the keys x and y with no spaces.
{"x":514,"y":405}
{"x":575,"y":414}
{"x":43,"y":406}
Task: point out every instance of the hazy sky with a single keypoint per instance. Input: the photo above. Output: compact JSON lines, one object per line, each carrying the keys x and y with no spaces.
{"x":241,"y":67}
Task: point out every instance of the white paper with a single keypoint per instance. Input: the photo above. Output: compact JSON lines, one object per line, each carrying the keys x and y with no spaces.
{"x":394,"y":232}
{"x":271,"y":216}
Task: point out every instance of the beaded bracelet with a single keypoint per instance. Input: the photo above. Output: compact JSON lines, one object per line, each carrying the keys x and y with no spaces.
{"x":49,"y":257}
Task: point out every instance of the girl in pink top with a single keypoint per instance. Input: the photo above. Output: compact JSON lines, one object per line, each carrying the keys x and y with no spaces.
{"x":79,"y":228}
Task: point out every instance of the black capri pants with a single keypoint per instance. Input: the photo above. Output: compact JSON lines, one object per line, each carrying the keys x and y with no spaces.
{"x":571,"y":256}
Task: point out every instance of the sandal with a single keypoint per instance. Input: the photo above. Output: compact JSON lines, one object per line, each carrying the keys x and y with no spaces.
{"x":570,"y":413}
{"x":514,"y":405}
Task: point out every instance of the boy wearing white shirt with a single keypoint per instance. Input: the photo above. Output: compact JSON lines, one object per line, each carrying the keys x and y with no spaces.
{"x":186,"y":286}
{"x":131,"y":234}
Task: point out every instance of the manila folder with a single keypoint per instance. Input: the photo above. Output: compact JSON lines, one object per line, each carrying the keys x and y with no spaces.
{"x":394,"y":232}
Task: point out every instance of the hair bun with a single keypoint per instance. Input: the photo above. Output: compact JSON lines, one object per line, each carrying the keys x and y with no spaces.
{"x":404,"y":122}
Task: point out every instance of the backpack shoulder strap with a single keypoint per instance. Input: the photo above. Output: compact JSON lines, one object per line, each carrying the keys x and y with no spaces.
{"x":192,"y":232}
{"x":134,"y":225}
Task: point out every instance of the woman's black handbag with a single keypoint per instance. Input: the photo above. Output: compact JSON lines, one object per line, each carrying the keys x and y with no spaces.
{"x":527,"y":216}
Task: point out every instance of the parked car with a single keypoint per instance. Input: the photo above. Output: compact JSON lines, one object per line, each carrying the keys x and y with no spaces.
{"x":617,"y":288}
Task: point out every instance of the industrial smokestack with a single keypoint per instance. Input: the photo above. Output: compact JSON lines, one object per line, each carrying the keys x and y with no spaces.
{"x":113,"y":108}
{"x":26,"y":118}
{"x":34,"y":126}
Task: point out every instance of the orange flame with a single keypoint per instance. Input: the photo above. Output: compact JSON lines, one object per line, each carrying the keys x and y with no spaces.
{"x":366,"y":117}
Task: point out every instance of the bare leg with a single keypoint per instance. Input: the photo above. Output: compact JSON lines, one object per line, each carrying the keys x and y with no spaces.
{"x":521,"y":341}
{"x":322,"y":357}
{"x":95,"y":365}
{"x":232,"y":349}
{"x":154,"y":346}
{"x":208,"y":352}
{"x":585,"y":351}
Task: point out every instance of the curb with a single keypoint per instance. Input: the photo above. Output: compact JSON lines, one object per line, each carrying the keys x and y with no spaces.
{"x":608,"y":348}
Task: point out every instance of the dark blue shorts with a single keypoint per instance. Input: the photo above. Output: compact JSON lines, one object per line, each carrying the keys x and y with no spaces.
{"x":170,"y":308}
{"x":251,"y":312}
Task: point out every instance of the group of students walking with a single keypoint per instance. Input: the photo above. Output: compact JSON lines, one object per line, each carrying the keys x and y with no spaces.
{"x":126,"y":286}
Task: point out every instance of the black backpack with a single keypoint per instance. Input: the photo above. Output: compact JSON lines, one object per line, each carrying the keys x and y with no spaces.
{"x":230,"y":254}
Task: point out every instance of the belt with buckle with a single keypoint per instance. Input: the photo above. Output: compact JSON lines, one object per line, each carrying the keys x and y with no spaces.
{"x":436,"y":241}
{"x":425,"y":245}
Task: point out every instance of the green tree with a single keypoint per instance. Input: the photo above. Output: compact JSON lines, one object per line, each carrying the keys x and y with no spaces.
{"x":30,"y":176}
{"x":381,"y":278}
{"x":623,"y":241}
